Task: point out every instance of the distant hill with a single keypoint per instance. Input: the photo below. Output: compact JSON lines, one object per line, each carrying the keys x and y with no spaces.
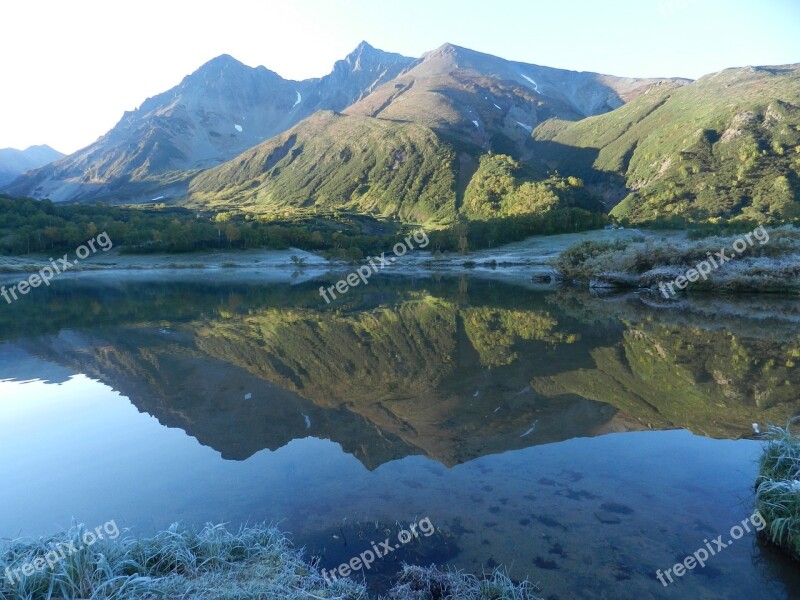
{"x":14,"y":163}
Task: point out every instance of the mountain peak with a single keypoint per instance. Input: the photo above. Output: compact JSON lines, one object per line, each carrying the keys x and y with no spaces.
{"x":449,"y":53}
{"x":365,"y":56}
{"x":223,"y":59}
{"x":364,"y":49}
{"x":220,"y":64}
{"x":364,"y":45}
{"x":446,"y":49}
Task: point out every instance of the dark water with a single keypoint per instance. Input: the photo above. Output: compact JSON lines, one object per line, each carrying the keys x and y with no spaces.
{"x":582,"y":442}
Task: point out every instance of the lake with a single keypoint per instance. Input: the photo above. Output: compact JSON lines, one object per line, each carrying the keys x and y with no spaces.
{"x":583,"y":442}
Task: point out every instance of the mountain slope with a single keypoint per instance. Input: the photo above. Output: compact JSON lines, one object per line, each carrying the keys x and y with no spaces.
{"x":726,"y":146}
{"x":14,"y":163}
{"x":492,"y":103}
{"x":214,"y":114}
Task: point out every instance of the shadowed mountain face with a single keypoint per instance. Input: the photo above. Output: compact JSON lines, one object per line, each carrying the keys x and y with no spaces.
{"x":217,"y":112}
{"x":14,"y":163}
{"x":441,"y":371}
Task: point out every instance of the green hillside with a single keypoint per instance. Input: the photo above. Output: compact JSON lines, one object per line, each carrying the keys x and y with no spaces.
{"x":724,"y":147}
{"x":331,"y":161}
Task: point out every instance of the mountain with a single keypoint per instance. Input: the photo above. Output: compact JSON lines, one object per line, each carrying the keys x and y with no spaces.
{"x":214,"y":114}
{"x":724,"y":147}
{"x":475,"y":101}
{"x":453,"y":134}
{"x":411,"y":147}
{"x":14,"y":163}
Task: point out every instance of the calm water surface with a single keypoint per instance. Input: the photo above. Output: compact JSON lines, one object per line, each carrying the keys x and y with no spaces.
{"x":582,"y":442}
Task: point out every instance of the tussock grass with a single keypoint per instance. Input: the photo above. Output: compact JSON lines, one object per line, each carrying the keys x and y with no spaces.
{"x":213,"y":563}
{"x":253,"y":563}
{"x":778,"y":489}
{"x":427,"y":583}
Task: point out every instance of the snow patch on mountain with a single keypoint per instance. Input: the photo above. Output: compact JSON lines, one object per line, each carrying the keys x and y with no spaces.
{"x":238,"y":128}
{"x":299,"y":99}
{"x":535,"y":85}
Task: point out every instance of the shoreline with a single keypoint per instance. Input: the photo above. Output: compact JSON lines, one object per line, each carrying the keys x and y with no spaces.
{"x":540,"y":261}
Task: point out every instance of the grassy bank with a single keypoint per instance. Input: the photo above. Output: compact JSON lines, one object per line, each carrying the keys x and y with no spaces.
{"x":253,"y":563}
{"x":778,"y":490}
{"x":772,"y":265}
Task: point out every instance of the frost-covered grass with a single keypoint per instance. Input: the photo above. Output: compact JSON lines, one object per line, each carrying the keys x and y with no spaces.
{"x":778,"y":490}
{"x":773,"y":266}
{"x":428,"y":583}
{"x":254,"y":563}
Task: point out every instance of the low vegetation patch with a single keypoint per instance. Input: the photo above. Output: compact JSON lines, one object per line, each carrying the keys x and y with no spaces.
{"x":772,"y":266}
{"x":420,"y":583}
{"x":778,"y":490}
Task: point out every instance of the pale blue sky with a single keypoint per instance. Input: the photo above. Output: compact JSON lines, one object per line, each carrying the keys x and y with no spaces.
{"x":70,"y":69}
